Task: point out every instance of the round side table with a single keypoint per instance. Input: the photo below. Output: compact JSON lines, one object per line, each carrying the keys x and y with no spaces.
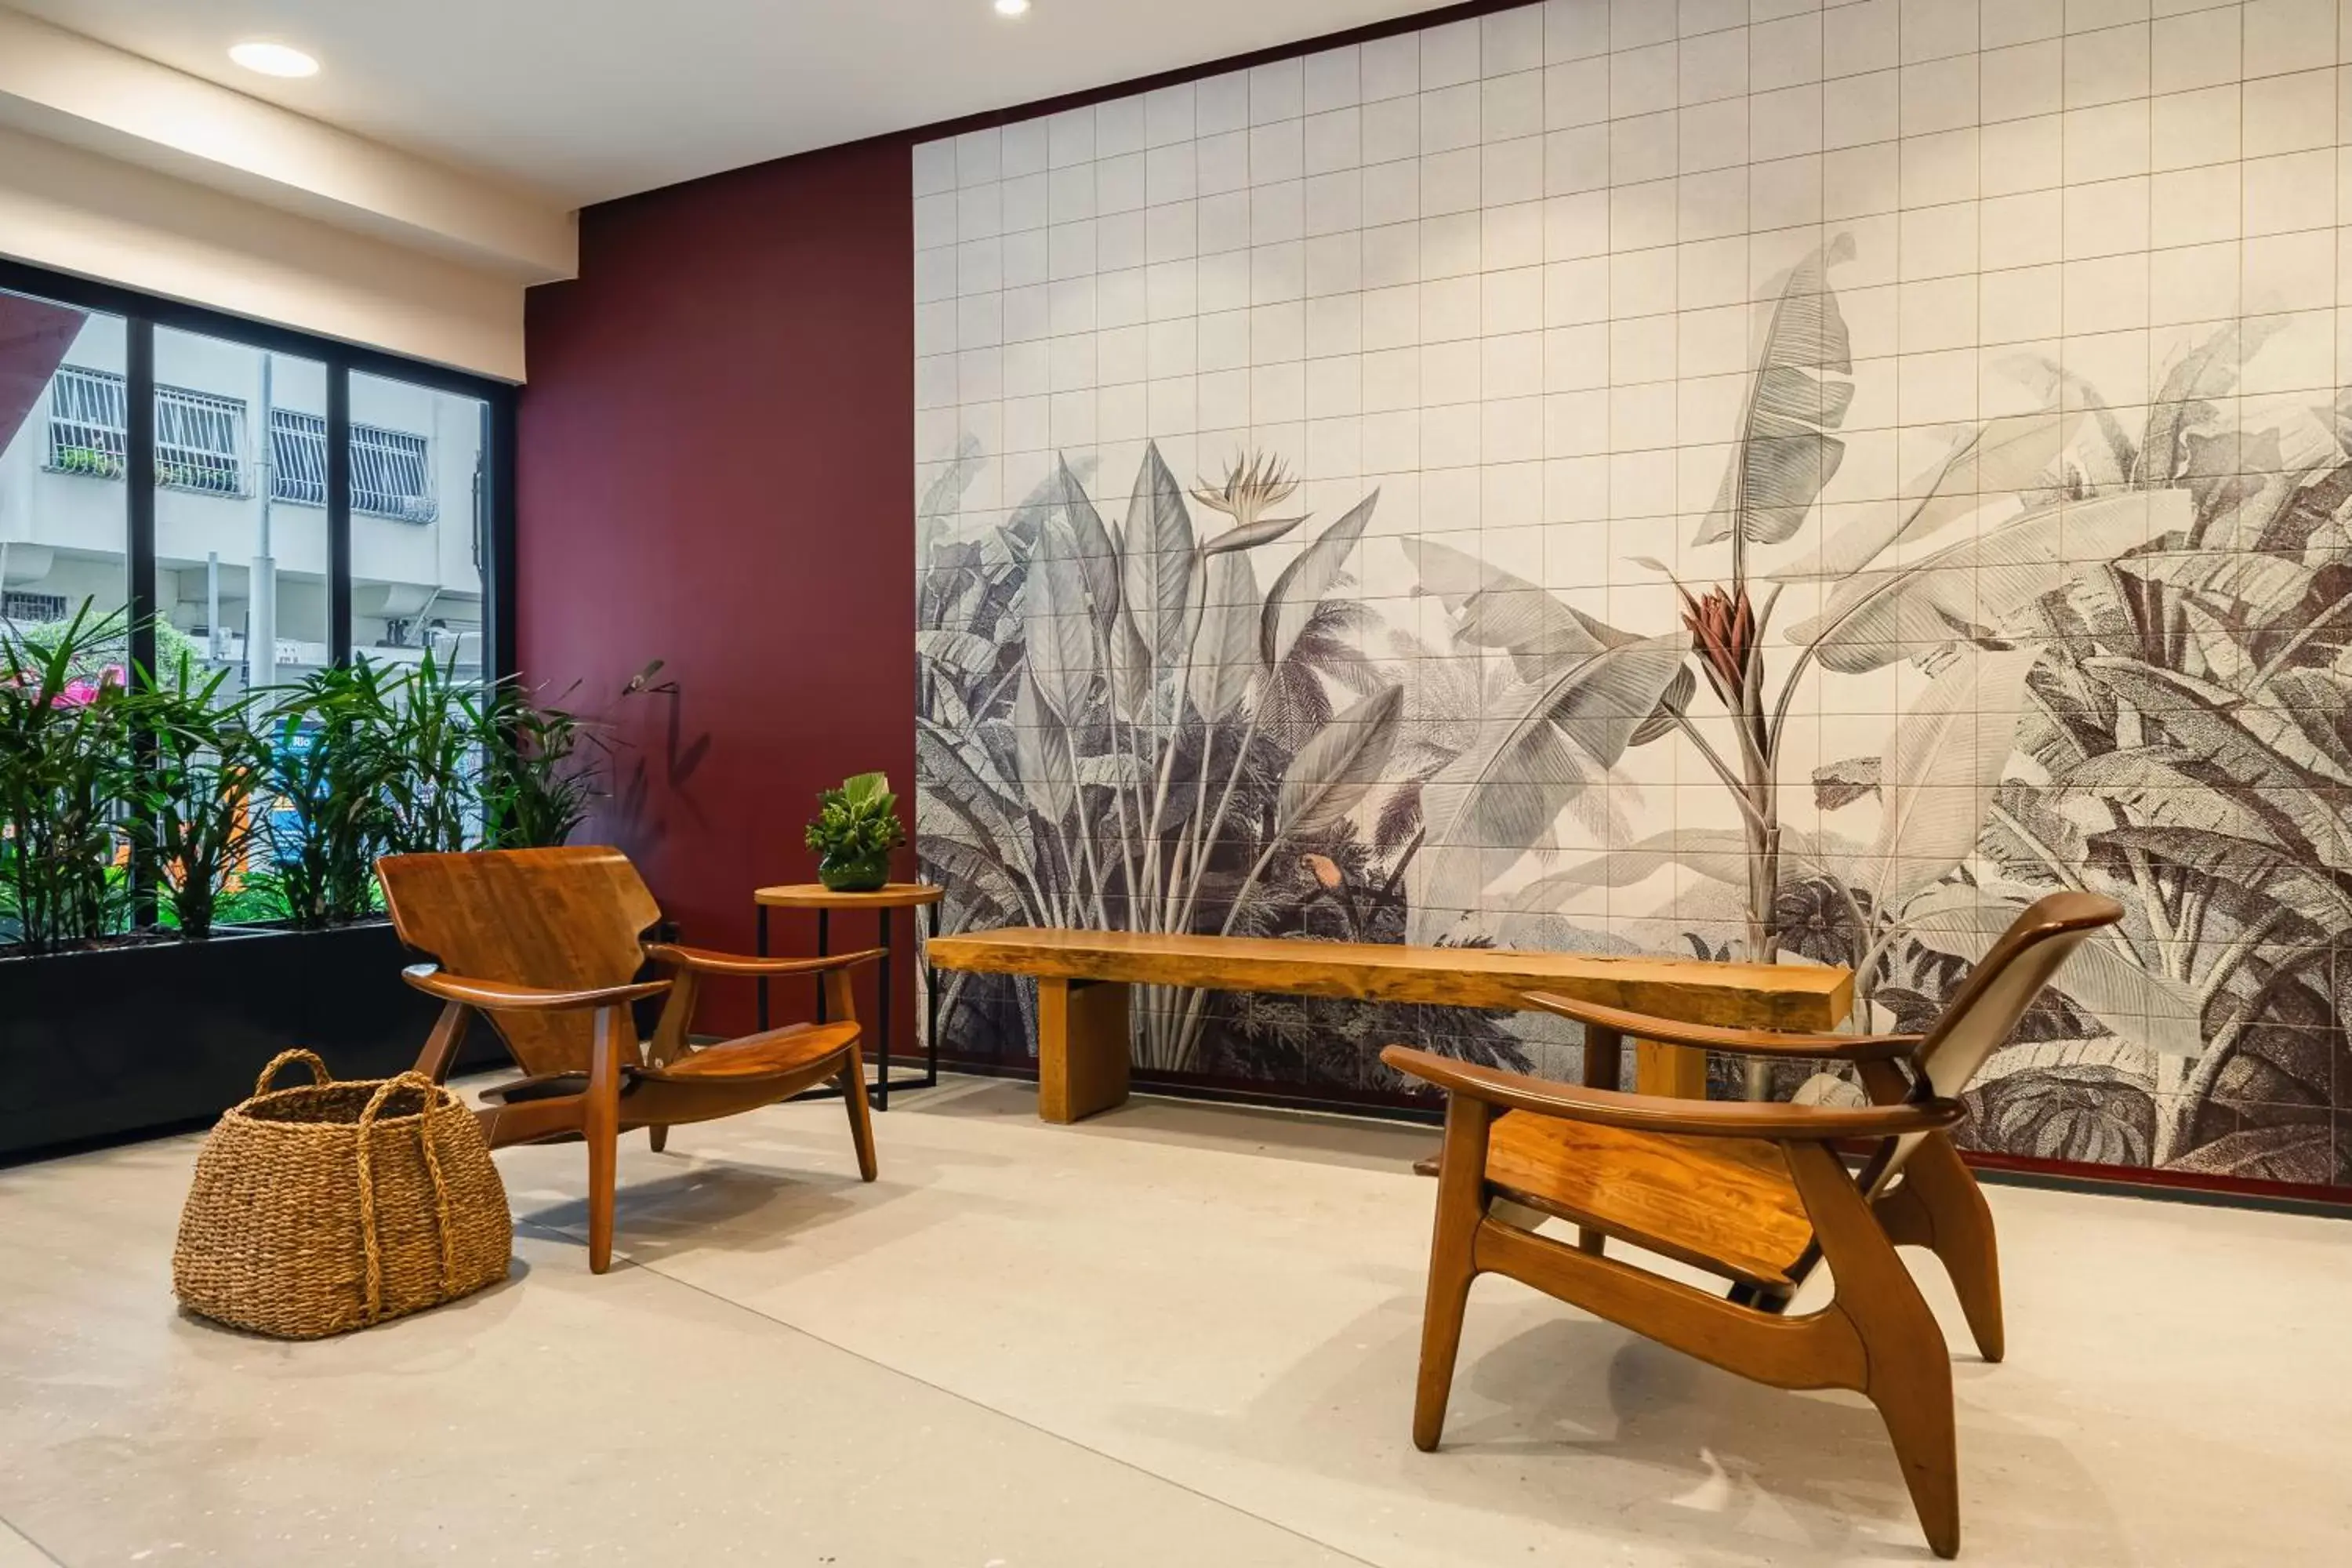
{"x":883,"y":901}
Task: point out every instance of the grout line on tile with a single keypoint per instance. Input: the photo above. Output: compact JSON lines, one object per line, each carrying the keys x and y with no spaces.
{"x":11,"y":1536}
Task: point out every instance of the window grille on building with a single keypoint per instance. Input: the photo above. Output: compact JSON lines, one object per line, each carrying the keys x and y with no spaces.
{"x":199,"y":435}
{"x":16,"y":605}
{"x":87,"y":423}
{"x":391,"y":476}
{"x":198,"y":446}
{"x":297,"y":457}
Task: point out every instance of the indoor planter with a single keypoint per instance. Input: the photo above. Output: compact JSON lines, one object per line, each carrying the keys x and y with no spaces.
{"x":133,"y":805}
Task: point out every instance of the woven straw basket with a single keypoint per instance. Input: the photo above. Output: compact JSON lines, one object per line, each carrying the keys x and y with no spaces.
{"x":335,"y":1205}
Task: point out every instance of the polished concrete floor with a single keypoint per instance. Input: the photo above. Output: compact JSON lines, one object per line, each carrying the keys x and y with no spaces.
{"x":1177,"y":1334}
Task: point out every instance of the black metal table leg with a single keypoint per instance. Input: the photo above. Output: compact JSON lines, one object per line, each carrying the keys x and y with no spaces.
{"x":763,"y":979}
{"x":821,"y":951}
{"x":882,"y":1015}
{"x":931,"y":1005}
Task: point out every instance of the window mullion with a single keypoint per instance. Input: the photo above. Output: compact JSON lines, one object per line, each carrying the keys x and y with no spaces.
{"x":339,"y":512}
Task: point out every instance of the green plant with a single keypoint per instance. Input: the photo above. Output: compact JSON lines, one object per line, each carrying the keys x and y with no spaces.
{"x":858,"y":822}
{"x":331,"y":772}
{"x":93,"y":461}
{"x":429,"y":725}
{"x":194,"y":818}
{"x":65,"y":749}
{"x":536,"y":786}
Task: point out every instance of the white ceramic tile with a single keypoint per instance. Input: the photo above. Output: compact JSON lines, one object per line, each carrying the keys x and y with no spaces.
{"x":1861,"y":109}
{"x":1634,"y":22}
{"x":1449,"y":54}
{"x":1713,"y":65}
{"x":1939,"y":95}
{"x":1785,"y":52}
{"x":1860,"y":37}
{"x":2197,"y":48}
{"x":1276,"y":153}
{"x":1936,"y":29}
{"x":1121,"y":127}
{"x":2022,"y":80}
{"x":2283,"y":36}
{"x":1277,"y":91}
{"x":1221,"y":104}
{"x":1511,"y":41}
{"x":1575,"y":29}
{"x":1330,"y":80}
{"x":1511,"y":106}
{"x":2290,"y":113}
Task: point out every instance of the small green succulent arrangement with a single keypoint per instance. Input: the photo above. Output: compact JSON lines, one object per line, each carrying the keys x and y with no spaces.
{"x":856,"y":828}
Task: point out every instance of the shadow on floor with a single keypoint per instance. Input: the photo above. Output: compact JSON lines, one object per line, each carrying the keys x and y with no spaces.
{"x":1319,"y":1137}
{"x":1583,"y":1428}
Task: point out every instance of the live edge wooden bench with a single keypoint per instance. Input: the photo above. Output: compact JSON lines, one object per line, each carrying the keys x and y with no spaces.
{"x":1082,"y":978}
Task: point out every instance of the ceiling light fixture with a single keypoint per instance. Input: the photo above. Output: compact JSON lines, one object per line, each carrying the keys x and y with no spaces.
{"x":276,"y":60}
{"x":1012,"y":7}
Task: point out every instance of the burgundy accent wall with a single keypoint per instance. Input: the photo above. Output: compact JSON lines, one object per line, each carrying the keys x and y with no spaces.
{"x":713,"y":472}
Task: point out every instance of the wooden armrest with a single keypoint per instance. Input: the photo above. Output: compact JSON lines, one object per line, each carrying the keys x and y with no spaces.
{"x":703,"y":961}
{"x":1655,"y":1113}
{"x":1744,"y":1042}
{"x":497,"y":996}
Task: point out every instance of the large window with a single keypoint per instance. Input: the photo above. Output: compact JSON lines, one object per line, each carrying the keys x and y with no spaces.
{"x":284,"y":503}
{"x":252,"y":504}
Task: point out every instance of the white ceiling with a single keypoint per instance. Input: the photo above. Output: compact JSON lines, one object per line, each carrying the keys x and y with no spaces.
{"x":587,"y":99}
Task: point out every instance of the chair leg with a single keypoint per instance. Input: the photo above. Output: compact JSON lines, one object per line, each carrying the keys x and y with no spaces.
{"x":1918,"y":1417}
{"x":658,"y":1136}
{"x":600,"y":1129}
{"x":1963,"y":1237}
{"x":852,"y":1079}
{"x":1909,"y":1376}
{"x":1939,"y":1207}
{"x":1461,"y":1207}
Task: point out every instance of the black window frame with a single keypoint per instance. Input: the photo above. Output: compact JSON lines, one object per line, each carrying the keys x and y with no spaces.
{"x":142,"y":313}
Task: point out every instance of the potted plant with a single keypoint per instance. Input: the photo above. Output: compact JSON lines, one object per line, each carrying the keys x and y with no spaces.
{"x":856,"y":828}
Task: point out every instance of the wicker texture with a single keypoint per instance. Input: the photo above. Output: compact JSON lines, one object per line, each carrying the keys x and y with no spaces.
{"x":328,"y":1207}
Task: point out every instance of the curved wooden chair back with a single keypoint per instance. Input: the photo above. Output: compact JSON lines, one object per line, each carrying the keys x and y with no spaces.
{"x":566,"y":919}
{"x":1980,"y":1019}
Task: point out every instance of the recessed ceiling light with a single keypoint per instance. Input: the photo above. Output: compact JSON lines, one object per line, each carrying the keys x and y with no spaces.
{"x":1012,"y":7}
{"x":283,"y":60}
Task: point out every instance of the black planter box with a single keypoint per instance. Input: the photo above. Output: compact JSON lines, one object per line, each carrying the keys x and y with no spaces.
{"x":117,"y":1043}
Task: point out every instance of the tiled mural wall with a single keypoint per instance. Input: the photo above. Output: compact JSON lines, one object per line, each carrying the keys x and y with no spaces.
{"x":1741,"y":479}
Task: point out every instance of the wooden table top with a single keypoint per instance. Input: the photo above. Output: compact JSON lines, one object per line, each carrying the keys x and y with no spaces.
{"x":817,"y":896}
{"x":1757,"y":996}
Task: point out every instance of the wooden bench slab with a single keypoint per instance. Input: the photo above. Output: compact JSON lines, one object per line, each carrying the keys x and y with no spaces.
{"x":1083,"y":975}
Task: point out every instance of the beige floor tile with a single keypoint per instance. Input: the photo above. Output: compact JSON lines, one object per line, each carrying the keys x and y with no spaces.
{"x":1178,"y":1333}
{"x":559,"y":1418}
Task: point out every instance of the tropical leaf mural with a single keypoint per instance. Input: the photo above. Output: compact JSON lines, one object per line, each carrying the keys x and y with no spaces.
{"x":2076,"y":643}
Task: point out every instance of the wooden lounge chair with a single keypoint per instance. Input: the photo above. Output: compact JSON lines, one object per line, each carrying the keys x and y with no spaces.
{"x":1755,"y":1192}
{"x":548,"y":944}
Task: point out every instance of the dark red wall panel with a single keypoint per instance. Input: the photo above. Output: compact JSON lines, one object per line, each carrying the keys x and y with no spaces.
{"x":716,"y":457}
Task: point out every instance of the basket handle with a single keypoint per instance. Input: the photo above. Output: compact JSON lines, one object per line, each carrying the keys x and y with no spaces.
{"x":319,"y":1073}
{"x":369,"y":1244}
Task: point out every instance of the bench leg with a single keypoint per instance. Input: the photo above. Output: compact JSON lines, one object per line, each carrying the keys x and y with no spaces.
{"x":1674,"y":1071}
{"x":1082,"y":1046}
